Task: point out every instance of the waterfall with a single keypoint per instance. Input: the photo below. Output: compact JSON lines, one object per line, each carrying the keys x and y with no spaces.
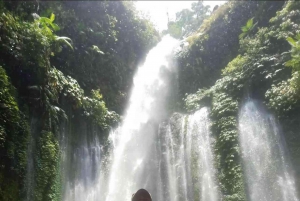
{"x":188,"y":159}
{"x":30,"y":163}
{"x":199,"y":143}
{"x":134,"y":153}
{"x":81,"y":163}
{"x":268,"y":173}
{"x":173,"y":160}
{"x":176,"y":165}
{"x":91,"y":174}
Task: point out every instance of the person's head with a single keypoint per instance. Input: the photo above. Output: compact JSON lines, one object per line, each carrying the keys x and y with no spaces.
{"x":141,"y":195}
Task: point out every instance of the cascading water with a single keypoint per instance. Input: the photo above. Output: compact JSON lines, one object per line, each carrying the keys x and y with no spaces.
{"x":81,"y":164}
{"x":30,"y":165}
{"x":176,"y":165}
{"x":173,"y":161}
{"x":188,"y":159}
{"x":134,"y":142}
{"x":199,"y":144}
{"x":268,"y":173}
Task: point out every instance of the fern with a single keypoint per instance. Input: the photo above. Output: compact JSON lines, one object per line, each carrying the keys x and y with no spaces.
{"x":247,"y":28}
{"x":295,"y":53}
{"x":96,"y":49}
{"x":65,"y":40}
{"x":46,"y":23}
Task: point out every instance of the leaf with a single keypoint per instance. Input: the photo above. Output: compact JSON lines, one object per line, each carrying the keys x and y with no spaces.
{"x":298,"y":37}
{"x":291,"y":41}
{"x":289,"y":63}
{"x":34,"y":87}
{"x":64,"y":40}
{"x":249,"y":23}
{"x":52,"y":17}
{"x":48,"y":30}
{"x":244,"y":28}
{"x":45,"y":20}
{"x":254,"y":25}
{"x":242,"y":35}
{"x":55,"y":27}
{"x":96,"y":48}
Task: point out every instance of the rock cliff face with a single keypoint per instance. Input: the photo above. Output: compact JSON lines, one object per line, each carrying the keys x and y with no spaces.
{"x":263,"y":67}
{"x":58,"y":59}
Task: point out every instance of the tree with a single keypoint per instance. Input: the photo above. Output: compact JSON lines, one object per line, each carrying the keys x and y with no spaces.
{"x":188,"y":20}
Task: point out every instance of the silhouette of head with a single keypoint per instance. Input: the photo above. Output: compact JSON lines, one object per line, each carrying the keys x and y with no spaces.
{"x":141,"y":195}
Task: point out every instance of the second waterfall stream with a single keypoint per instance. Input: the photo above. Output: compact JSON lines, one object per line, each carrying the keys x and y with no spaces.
{"x":269,"y":176}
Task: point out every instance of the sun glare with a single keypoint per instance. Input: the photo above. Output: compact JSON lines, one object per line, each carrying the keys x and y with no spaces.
{"x":160,"y":11}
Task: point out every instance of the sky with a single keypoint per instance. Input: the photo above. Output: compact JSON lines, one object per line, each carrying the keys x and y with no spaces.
{"x":157,"y":10}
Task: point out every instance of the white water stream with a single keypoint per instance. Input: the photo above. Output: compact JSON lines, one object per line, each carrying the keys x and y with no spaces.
{"x":134,"y":141}
{"x":269,"y":176}
{"x":172,"y":160}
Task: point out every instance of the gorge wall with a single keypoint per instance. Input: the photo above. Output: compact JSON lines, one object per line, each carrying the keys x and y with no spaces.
{"x":259,"y":70}
{"x":60,"y":97}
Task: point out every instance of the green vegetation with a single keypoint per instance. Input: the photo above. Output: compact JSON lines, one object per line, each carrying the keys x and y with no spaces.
{"x":54,"y":64}
{"x":248,"y":28}
{"x":235,"y":65}
{"x":73,"y":62}
{"x":224,"y":114}
{"x":188,"y":20}
{"x":216,"y":43}
{"x":295,"y":60}
{"x":47,"y":168}
{"x":258,"y":71}
{"x":109,"y":41}
{"x":14,"y":137}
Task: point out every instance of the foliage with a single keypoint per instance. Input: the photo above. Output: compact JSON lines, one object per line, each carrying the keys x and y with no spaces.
{"x":114,"y":27}
{"x":14,"y":137}
{"x":27,"y":47}
{"x":188,"y":20}
{"x":215,"y":16}
{"x":234,"y":65}
{"x":224,"y":114}
{"x":284,"y":97}
{"x":199,"y":99}
{"x":47,"y":169}
{"x":201,"y":62}
{"x":65,"y":85}
{"x":109,"y":41}
{"x":295,"y":53}
{"x":28,"y":38}
{"x":10,"y":188}
{"x":64,"y":39}
{"x":48,"y":83}
{"x":46,"y":23}
{"x":259,"y":72}
{"x":95,"y":107}
{"x":174,"y":30}
{"x":248,"y":28}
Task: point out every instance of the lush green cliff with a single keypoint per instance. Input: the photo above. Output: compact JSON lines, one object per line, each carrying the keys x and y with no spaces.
{"x":61,"y":61}
{"x":66,"y":69}
{"x":265,"y":67}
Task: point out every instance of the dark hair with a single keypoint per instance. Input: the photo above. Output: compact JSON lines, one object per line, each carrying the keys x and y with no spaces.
{"x":141,"y":192}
